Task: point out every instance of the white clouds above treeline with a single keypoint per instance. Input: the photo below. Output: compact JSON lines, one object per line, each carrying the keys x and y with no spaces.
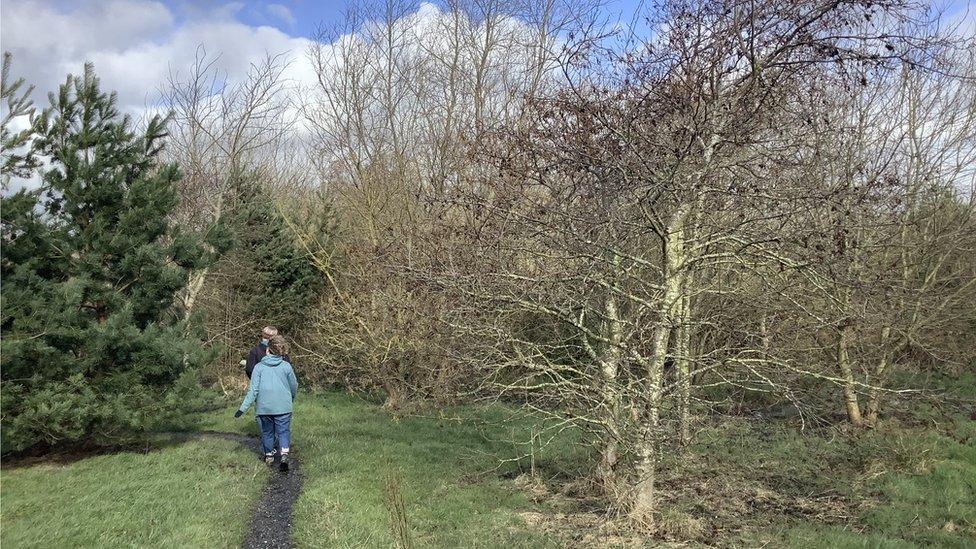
{"x":134,"y":44}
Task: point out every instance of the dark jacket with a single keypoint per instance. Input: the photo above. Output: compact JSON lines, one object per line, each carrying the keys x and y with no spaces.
{"x":256,"y":355}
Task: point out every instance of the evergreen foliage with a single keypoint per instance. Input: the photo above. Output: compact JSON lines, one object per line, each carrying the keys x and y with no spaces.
{"x":267,"y":278}
{"x":92,"y":348}
{"x":16,"y":154}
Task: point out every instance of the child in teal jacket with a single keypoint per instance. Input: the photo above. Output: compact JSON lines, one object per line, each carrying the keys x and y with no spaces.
{"x":273,"y":388}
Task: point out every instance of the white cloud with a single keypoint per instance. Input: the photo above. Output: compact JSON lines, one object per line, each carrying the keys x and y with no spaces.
{"x":133,"y":44}
{"x":136,"y":44}
{"x":47,"y":43}
{"x":282,"y":13}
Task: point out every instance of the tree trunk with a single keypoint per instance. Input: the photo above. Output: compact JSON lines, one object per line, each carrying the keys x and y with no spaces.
{"x":193,"y":287}
{"x":197,"y":279}
{"x":683,"y":359}
{"x":610,"y":366}
{"x":642,"y":510}
{"x":874,"y":396}
{"x":850,"y":389}
{"x":643,"y":507}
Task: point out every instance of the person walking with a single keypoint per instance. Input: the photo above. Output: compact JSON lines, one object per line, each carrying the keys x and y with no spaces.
{"x":259,"y":351}
{"x":272,"y":389}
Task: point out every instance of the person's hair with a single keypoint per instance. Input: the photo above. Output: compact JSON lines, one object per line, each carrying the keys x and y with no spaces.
{"x":269,"y":331}
{"x":278,"y":346}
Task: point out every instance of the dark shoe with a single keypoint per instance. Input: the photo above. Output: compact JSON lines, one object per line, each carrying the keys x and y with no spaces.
{"x":269,"y":459}
{"x":283,"y":466}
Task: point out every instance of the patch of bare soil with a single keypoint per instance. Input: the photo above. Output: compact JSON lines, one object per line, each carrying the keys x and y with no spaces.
{"x":576,"y":517}
{"x":704,"y":503}
{"x":695,"y":512}
{"x":727,"y":504}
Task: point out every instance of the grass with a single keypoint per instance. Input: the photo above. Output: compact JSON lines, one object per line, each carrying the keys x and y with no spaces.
{"x":924,"y":489}
{"x":920,"y":469}
{"x":455,"y":492}
{"x":911,"y":482}
{"x":453,"y":480}
{"x":195,"y":494}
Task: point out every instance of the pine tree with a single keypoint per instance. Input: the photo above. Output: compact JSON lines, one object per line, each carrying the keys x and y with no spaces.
{"x":16,"y":153}
{"x":271,"y":279}
{"x":91,"y":347}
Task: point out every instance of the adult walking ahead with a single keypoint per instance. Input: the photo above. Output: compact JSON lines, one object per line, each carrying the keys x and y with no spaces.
{"x":272,"y":389}
{"x":260,"y":350}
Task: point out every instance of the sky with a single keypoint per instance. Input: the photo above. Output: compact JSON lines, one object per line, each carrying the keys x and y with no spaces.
{"x":134,"y":44}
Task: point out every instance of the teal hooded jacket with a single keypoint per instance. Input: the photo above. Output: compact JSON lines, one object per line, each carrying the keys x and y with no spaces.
{"x":273,"y":386}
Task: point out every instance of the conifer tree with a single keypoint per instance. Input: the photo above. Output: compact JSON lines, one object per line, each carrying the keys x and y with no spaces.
{"x":16,"y":153}
{"x":91,"y":347}
{"x":265,"y":277}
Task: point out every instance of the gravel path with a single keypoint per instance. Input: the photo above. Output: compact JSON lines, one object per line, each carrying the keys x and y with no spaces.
{"x":271,"y":516}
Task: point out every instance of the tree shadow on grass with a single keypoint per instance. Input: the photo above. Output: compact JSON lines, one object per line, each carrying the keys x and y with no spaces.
{"x":61,"y":456}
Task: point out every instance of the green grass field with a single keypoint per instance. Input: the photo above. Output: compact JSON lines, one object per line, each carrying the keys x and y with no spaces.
{"x":194,"y":494}
{"x":918,"y":490}
{"x":898,"y":486}
{"x":455,"y":491}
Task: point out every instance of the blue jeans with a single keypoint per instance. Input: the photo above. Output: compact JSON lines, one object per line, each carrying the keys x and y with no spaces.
{"x":274,"y":448}
{"x":272,"y":428}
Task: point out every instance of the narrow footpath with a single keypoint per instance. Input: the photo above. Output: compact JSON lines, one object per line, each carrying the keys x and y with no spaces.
{"x":271,"y":518}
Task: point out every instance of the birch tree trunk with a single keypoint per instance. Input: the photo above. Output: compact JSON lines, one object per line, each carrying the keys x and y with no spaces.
{"x":683,"y":360}
{"x":193,"y":287}
{"x":643,"y":507}
{"x":847,"y":371}
{"x":610,"y":368}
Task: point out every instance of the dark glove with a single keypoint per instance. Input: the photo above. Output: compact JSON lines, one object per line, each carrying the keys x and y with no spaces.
{"x":238,"y":413}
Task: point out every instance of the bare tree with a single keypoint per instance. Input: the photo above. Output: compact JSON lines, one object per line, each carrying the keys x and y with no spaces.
{"x":403,"y":95}
{"x":220,"y":129}
{"x":626,"y":206}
